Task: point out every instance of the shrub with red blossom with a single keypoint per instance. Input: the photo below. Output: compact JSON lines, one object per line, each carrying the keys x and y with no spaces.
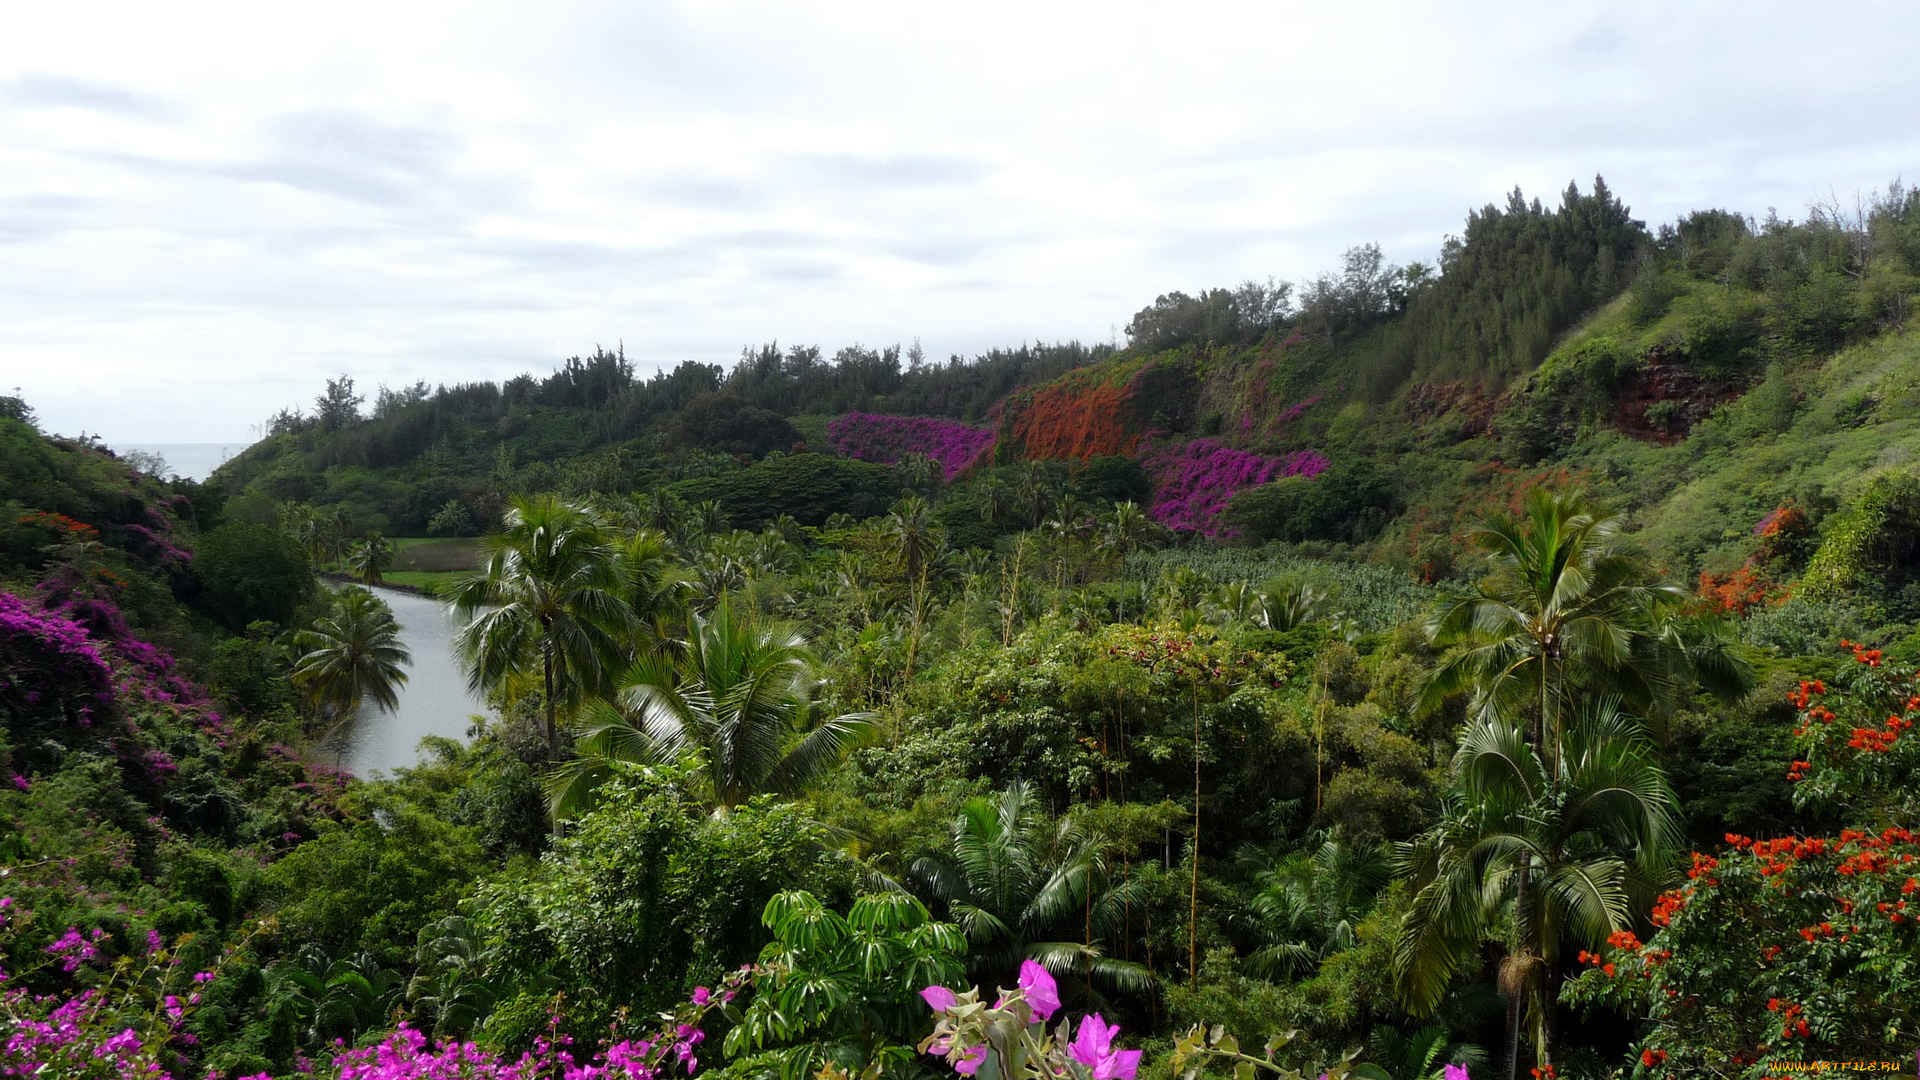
{"x":887,"y":439}
{"x":1821,"y":967}
{"x":1192,"y":483}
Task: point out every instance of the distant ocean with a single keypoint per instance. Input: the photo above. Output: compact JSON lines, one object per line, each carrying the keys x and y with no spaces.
{"x":193,"y":461}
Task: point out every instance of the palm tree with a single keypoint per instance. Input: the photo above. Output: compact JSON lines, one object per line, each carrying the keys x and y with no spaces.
{"x":913,"y":537}
{"x":351,"y":655}
{"x":1557,"y":851}
{"x":921,"y":473}
{"x":1023,"y":888}
{"x":917,"y":542}
{"x":736,"y":694}
{"x":998,"y":500}
{"x":548,"y":598}
{"x":369,"y":557}
{"x":1309,"y":903}
{"x":335,"y":536}
{"x":1123,"y":531}
{"x":707,"y":518}
{"x":649,"y":585}
{"x":1035,"y":492}
{"x":1571,"y":604}
{"x":1289,"y":602}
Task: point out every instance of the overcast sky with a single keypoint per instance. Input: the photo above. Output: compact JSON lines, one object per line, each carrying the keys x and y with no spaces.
{"x":205,"y":210}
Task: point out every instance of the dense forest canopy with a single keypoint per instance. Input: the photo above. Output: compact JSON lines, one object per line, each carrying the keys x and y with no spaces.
{"x":1504,"y":666}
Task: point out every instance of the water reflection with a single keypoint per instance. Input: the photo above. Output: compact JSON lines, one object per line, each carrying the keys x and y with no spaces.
{"x":434,"y":701}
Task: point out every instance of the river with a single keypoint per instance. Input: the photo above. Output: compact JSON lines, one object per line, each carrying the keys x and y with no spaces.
{"x":434,"y":700}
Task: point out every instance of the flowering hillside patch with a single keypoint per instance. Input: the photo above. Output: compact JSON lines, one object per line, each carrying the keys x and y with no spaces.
{"x":887,"y":439}
{"x":1086,"y":413}
{"x":1192,"y":484}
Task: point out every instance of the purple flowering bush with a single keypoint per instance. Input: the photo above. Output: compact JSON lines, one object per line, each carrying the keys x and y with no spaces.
{"x":671,"y":1051}
{"x":133,"y":1024}
{"x":1009,"y":1040}
{"x":51,"y":669}
{"x":1192,"y":483}
{"x":129,"y":1023}
{"x":887,"y":439}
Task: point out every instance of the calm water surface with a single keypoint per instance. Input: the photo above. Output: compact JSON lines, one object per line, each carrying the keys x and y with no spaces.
{"x":434,"y":701}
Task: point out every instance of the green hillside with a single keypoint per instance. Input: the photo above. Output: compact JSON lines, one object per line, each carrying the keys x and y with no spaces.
{"x":1506,"y":665}
{"x":1700,"y":375}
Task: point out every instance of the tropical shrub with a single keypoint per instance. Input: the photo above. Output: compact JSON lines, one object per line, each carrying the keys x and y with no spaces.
{"x":251,"y":572}
{"x":887,"y":439}
{"x":809,"y":488}
{"x":51,"y":670}
{"x":1822,"y":967}
{"x":649,"y":893}
{"x":1193,"y":483}
{"x":843,"y":991}
{"x":1350,"y":501}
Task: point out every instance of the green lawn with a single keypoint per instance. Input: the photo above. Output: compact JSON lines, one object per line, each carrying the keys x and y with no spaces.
{"x":435,"y":555}
{"x":427,"y":580}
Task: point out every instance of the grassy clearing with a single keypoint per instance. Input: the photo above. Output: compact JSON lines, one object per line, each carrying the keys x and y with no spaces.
{"x":430,"y":582}
{"x":433,"y":555}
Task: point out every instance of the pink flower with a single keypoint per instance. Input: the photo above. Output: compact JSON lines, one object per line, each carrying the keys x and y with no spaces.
{"x":701,"y":995}
{"x":939,"y":998}
{"x":75,"y":950}
{"x":125,"y":1041}
{"x":1457,"y":1072}
{"x":1042,"y":995}
{"x":970,"y":1061}
{"x":1093,"y":1047}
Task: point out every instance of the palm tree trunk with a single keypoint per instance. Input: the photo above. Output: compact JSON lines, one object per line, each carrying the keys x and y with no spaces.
{"x":1515,"y":1006}
{"x":553,"y":729}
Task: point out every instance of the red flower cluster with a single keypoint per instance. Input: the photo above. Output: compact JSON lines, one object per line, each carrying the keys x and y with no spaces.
{"x":1793,"y":1024}
{"x":1650,"y":1058}
{"x":1702,"y":866}
{"x":1782,"y":520}
{"x":1803,"y":697}
{"x":75,"y":530}
{"x":1865,"y":862}
{"x":1737,"y":591}
{"x":1544,"y":1072}
{"x":1669,"y":905}
{"x":1869,"y":657}
{"x":1872,"y":741}
{"x":1084,"y":414}
{"x":1624,"y":939}
{"x":1824,"y":929}
{"x":1601,"y":962}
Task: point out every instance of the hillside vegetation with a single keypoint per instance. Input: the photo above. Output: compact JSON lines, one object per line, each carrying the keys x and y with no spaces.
{"x":1504,"y":665}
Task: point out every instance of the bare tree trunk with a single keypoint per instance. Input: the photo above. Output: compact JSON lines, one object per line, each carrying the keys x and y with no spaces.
{"x":1193,"y":896}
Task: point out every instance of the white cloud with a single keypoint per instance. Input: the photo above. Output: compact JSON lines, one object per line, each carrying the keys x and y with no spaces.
{"x":206,"y":209}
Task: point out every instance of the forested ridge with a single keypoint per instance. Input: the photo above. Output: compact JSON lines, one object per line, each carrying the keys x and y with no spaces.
{"x":1503,"y":665}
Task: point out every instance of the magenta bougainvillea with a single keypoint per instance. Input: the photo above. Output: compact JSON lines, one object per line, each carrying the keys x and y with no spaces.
{"x":48,"y":663}
{"x":1191,"y":484}
{"x":887,"y":439}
